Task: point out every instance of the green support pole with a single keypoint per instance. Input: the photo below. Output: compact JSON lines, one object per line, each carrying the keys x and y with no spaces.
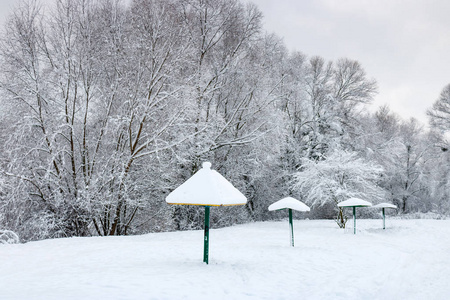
{"x":206,"y":238}
{"x":354,"y":219}
{"x":291,"y":225}
{"x":384,"y":219}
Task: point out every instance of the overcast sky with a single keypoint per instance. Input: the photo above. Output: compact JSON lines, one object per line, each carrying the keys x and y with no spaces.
{"x":404,"y":45}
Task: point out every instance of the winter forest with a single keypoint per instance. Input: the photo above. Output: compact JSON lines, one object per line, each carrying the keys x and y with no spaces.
{"x":107,"y":106}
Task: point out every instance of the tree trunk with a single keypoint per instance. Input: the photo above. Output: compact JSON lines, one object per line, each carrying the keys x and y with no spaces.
{"x":341,"y":219}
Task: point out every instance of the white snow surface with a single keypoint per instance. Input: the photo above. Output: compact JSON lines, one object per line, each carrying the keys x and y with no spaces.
{"x":206,"y":187}
{"x":354,"y":202}
{"x":289,"y":202}
{"x":384,"y":205}
{"x":409,"y":260}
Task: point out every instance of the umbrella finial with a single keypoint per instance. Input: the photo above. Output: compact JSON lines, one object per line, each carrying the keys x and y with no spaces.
{"x":206,"y":165}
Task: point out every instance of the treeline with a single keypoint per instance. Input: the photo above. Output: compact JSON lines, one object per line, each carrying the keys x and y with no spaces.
{"x":107,"y":107}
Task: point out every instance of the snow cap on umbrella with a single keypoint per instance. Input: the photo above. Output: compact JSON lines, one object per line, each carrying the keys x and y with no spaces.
{"x":354,"y":202}
{"x":206,"y":187}
{"x":385,"y":205}
{"x":289,"y":202}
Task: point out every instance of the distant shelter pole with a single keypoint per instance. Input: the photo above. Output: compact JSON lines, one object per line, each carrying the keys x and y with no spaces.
{"x":291,"y":204}
{"x":383,"y":211}
{"x":206,"y":237}
{"x":292,"y":227}
{"x":354,"y":202}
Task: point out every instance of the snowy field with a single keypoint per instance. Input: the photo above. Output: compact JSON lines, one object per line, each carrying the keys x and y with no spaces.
{"x":408,"y":260}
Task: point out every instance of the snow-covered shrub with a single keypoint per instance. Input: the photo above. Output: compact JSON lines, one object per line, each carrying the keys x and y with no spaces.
{"x":8,"y":237}
{"x":341,"y":175}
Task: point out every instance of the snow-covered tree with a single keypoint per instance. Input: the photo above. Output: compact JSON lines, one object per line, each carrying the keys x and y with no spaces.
{"x":439,"y":116}
{"x":227,"y":97}
{"x":97,"y":87}
{"x":409,"y":183}
{"x":440,"y":189}
{"x":339,"y":176}
{"x":106,"y":106}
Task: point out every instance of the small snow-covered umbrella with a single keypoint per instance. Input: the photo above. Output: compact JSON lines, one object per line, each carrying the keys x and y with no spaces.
{"x":206,"y":188}
{"x":289,"y":203}
{"x":383,"y":206}
{"x":354,"y":202}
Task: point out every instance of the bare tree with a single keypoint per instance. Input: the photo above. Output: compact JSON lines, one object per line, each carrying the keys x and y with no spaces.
{"x":439,"y":114}
{"x":351,"y":87}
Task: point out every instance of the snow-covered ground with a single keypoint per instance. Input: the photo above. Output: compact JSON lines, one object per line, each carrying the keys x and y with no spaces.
{"x":408,"y":260}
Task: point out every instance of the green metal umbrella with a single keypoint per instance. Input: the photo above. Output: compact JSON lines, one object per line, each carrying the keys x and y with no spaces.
{"x":383,"y":206}
{"x":206,"y":188}
{"x":354,"y":202}
{"x":289,"y":203}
